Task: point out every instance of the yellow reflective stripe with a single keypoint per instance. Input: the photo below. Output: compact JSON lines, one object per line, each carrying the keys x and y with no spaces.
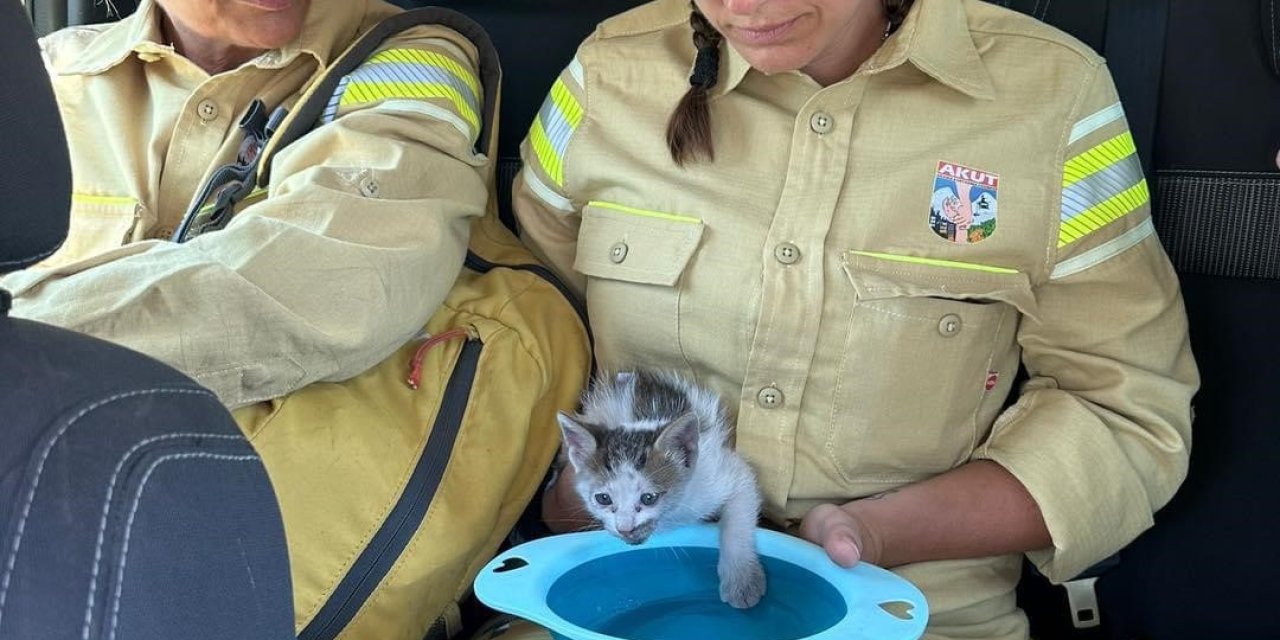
{"x":257,"y":192}
{"x":1104,"y":213}
{"x":432,"y":58}
{"x":547,"y":156}
{"x":643,"y":212}
{"x":364,"y":92}
{"x":1098,"y":158}
{"x":567,"y":103}
{"x":108,"y":200}
{"x":970,"y":266}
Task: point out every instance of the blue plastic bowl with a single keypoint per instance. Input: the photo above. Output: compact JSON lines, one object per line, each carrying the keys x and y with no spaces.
{"x":592,"y":586}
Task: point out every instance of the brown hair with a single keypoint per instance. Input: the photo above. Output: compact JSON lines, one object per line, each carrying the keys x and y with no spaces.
{"x":689,"y":129}
{"x":896,"y":11}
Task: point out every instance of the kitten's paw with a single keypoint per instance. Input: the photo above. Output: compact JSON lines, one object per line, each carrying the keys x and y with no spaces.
{"x":742,"y":584}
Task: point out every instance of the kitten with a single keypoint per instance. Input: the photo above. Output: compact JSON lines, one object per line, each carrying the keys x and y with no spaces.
{"x":651,"y":453}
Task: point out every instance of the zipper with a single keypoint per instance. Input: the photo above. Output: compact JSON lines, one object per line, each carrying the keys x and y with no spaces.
{"x":391,"y":539}
{"x":394,"y":535}
{"x":480,"y":265}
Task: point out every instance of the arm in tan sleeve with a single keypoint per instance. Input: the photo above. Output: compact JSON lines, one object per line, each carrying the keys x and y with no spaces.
{"x":361,"y":237}
{"x":547,"y":215}
{"x":1100,"y":436}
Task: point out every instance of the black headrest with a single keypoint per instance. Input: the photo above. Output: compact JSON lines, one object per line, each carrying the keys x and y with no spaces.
{"x":35,"y":171}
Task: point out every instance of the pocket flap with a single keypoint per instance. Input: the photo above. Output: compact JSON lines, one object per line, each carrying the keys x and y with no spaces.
{"x":877,"y":276}
{"x":98,"y":224}
{"x":621,"y":243}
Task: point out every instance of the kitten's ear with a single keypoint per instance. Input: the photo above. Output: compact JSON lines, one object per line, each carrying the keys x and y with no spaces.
{"x":679,"y":439}
{"x":578,"y":441}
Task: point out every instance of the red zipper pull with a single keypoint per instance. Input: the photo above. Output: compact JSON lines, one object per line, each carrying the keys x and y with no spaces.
{"x":415,"y":368}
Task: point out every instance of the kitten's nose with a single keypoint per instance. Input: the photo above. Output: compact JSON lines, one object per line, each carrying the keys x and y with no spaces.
{"x":629,"y":536}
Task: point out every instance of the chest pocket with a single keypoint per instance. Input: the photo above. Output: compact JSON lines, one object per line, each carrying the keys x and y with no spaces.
{"x":634,"y":260}
{"x":929,"y":356}
{"x":98,"y":224}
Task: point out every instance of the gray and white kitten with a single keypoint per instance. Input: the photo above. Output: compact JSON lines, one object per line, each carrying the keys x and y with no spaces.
{"x":651,"y":452}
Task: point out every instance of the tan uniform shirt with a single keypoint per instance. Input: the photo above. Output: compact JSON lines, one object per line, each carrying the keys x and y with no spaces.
{"x":361,"y":233}
{"x":864,"y":265}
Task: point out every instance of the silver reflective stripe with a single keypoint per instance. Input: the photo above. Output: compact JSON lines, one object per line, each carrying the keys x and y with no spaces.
{"x":575,"y":70}
{"x":1096,"y":121}
{"x":545,"y":193}
{"x":1101,"y":187}
{"x":1104,"y":252}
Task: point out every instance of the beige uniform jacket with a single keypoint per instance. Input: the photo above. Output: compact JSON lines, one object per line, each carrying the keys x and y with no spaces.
{"x":862,"y":268}
{"x":353,"y":244}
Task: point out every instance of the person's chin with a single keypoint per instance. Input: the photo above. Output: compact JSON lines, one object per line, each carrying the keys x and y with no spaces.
{"x":271,"y":35}
{"x":771,"y":60}
{"x":275,"y":6}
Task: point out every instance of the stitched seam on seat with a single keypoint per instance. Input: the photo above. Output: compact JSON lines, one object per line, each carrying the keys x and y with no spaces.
{"x":36,"y":257}
{"x":12,"y":558}
{"x":1275,"y":44}
{"x":106,"y":508}
{"x":133,"y":510}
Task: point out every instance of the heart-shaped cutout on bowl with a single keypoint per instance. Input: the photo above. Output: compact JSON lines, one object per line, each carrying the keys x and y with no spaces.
{"x":511,"y":564}
{"x":899,"y":609}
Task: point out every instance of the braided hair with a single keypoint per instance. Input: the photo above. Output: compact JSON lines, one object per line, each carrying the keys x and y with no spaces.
{"x":896,"y":11}
{"x":689,"y":129}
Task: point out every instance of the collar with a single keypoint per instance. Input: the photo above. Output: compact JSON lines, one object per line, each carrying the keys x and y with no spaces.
{"x":935,"y":38}
{"x":328,"y":28}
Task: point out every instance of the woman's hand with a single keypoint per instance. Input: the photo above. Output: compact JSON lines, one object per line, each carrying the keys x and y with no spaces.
{"x":976,"y":510}
{"x":844,"y":537}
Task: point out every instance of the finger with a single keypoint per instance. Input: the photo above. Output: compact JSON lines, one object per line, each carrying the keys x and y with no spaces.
{"x":841,"y":546}
{"x":831,"y":528}
{"x":814,"y":526}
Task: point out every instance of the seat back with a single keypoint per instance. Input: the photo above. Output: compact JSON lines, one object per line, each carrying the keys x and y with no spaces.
{"x":35,"y":172}
{"x":1207,"y":569}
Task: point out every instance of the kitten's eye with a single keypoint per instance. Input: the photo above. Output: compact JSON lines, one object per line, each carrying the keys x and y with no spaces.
{"x":603,"y":499}
{"x":648,"y":499}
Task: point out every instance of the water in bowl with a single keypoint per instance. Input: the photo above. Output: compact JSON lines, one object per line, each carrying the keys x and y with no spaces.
{"x":673,"y":593}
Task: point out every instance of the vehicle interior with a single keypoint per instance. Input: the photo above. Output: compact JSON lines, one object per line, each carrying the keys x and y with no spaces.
{"x":1201,"y":83}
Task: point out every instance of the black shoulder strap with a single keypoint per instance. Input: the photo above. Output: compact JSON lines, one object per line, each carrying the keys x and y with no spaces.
{"x":265,"y":136}
{"x":1134,"y":50}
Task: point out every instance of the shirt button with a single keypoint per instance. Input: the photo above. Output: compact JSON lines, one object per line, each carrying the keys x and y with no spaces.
{"x":787,"y":253}
{"x":821,"y":122}
{"x":769,"y":398}
{"x":949,"y":325}
{"x":369,"y":188}
{"x":207,"y":110}
{"x":618,"y":252}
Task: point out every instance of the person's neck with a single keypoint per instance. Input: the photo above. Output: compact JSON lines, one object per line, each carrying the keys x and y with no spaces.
{"x":866,"y":32}
{"x":212,"y":56}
